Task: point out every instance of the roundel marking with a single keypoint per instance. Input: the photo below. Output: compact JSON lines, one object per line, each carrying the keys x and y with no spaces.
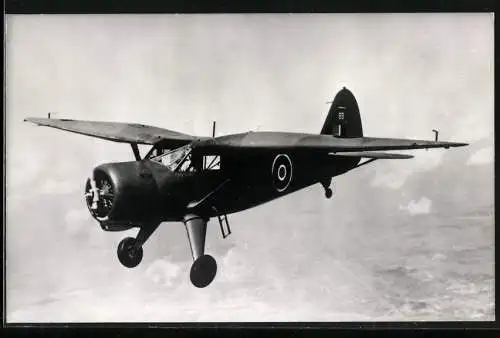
{"x":282,"y":171}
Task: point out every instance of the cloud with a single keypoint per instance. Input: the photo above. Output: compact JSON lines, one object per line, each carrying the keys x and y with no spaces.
{"x":482,"y":156}
{"x":394,"y":174}
{"x":163,"y":272}
{"x":21,"y":168}
{"x":234,"y":268}
{"x":390,"y":176}
{"x":423,"y":206}
{"x":390,"y":179}
{"x":427,"y":159}
{"x":75,"y":220}
{"x":53,"y":187}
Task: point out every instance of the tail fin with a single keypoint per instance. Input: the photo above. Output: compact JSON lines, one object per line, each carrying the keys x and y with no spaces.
{"x":343,"y":118}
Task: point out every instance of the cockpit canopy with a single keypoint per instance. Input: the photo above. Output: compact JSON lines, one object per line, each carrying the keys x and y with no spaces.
{"x":176,"y":160}
{"x":182,"y":160}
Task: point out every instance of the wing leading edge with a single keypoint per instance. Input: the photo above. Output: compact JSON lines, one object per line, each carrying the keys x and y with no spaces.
{"x":116,"y":131}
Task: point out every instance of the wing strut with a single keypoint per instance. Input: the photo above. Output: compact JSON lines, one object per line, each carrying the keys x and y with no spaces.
{"x":135,"y":149}
{"x":365,"y":162}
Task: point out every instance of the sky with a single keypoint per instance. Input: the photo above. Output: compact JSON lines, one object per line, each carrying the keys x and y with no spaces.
{"x":410,"y":73}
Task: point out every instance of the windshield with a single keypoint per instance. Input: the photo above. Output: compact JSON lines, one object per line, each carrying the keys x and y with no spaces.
{"x":176,"y":160}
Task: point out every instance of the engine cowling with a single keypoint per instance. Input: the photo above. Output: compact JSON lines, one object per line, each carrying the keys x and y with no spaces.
{"x":121,"y":195}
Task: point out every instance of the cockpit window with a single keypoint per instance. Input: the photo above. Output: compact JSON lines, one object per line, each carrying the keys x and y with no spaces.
{"x":211,"y":162}
{"x":176,"y":160}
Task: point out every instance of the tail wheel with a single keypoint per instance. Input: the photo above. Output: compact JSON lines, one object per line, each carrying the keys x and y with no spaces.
{"x":328,"y":192}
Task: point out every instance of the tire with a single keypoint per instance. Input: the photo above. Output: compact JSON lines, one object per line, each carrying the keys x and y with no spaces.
{"x":126,"y":254}
{"x":203,"y":271}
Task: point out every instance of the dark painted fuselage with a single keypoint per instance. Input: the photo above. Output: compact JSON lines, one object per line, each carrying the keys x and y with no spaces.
{"x":148,"y":192}
{"x":251,"y":178}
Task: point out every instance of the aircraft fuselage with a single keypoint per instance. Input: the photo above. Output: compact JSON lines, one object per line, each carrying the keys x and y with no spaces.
{"x":147,"y":191}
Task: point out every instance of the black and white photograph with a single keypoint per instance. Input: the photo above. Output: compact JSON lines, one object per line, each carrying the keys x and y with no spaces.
{"x":191,"y":168}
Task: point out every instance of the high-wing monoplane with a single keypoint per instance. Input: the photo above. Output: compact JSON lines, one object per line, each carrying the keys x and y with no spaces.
{"x":191,"y":179}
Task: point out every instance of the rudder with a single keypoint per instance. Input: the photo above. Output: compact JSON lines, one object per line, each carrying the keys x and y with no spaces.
{"x":343,"y":119}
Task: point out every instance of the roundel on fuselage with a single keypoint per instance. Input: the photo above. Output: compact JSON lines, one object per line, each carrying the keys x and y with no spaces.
{"x":282,"y":172}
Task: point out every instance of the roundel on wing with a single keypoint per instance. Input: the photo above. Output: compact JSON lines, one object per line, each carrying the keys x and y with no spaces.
{"x":282,"y":172}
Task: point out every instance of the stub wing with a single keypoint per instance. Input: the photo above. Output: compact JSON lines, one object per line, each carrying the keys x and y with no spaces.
{"x":374,"y":155}
{"x":202,"y":205}
{"x":313,"y":142}
{"x":116,"y":131}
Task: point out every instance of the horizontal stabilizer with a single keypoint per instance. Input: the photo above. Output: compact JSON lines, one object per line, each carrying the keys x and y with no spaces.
{"x":368,"y":154}
{"x":116,"y":131}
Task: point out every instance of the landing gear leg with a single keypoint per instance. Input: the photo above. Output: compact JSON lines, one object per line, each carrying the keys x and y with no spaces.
{"x":326,"y":184}
{"x":204,"y":267}
{"x":130,"y":249}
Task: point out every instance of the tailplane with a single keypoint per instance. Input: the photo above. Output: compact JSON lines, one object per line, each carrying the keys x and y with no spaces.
{"x":343,"y":118}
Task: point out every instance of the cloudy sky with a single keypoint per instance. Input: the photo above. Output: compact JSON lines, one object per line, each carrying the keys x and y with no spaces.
{"x":410,"y":74}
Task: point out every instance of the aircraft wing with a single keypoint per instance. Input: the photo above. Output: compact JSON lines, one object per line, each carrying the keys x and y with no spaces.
{"x":313,"y":142}
{"x":116,"y":131}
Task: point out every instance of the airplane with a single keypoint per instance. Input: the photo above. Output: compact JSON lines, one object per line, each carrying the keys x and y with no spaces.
{"x":192,"y":179}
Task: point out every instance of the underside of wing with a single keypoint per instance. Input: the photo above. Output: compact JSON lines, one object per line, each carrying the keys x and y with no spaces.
{"x":116,"y":131}
{"x":314,"y":142}
{"x":374,"y":155}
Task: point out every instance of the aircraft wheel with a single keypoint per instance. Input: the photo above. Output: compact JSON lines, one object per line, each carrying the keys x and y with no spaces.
{"x":127,"y":255}
{"x":328,"y":193}
{"x":203,"y":271}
